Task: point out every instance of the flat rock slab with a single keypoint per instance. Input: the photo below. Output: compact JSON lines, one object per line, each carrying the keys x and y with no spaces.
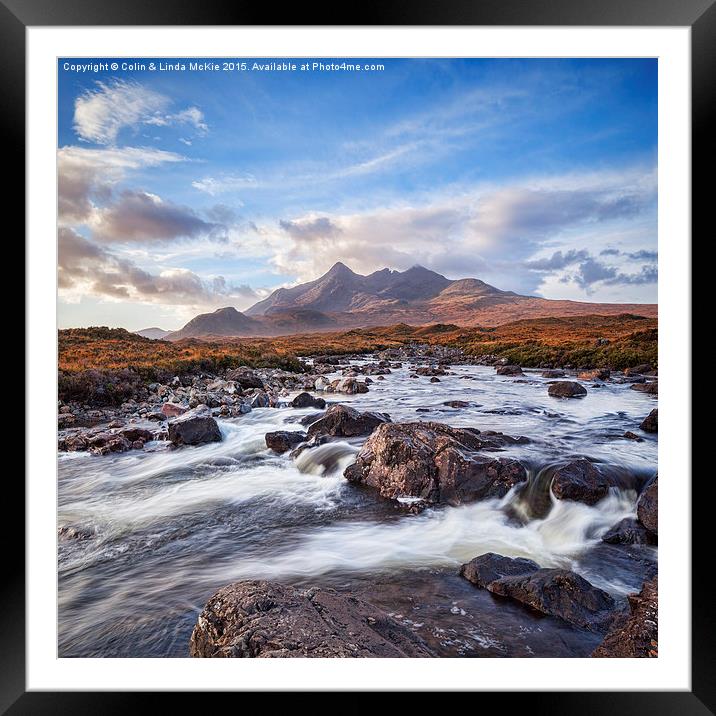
{"x":260,"y":619}
{"x":435,"y":462}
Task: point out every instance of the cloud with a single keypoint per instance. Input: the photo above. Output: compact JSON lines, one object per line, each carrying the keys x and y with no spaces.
{"x":558,"y":260}
{"x":308,"y":229}
{"x":88,"y":269}
{"x":86,"y":176}
{"x":593,"y":271}
{"x":141,"y":217}
{"x":225,"y":183}
{"x":101,"y":113}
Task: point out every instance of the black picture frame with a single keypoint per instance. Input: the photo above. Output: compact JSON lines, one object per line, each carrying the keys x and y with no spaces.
{"x":699,"y":15}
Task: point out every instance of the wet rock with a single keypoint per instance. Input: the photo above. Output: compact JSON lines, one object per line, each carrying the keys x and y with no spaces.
{"x":195,"y":427}
{"x":554,"y":373}
{"x":596,"y":374}
{"x":70,"y":532}
{"x":348,"y":386}
{"x":172,"y":410}
{"x":310,"y":444}
{"x":435,"y":379}
{"x":627,"y":531}
{"x":636,"y":633}
{"x":566,"y":389}
{"x":282,"y":441}
{"x":261,"y":619}
{"x":261,"y":400}
{"x":581,"y":481}
{"x":639,"y":369}
{"x":104,"y":443}
{"x":306,"y":400}
{"x":486,"y":568}
{"x":155,"y":416}
{"x":65,"y":420}
{"x":629,"y":435}
{"x":430,"y":370}
{"x":134,"y":434}
{"x":647,"y":507}
{"x":509,"y":370}
{"x":435,"y":462}
{"x":651,"y":388}
{"x":321,"y":383}
{"x":344,"y":421}
{"x":650,"y":424}
{"x":457,"y":404}
{"x":559,"y":593}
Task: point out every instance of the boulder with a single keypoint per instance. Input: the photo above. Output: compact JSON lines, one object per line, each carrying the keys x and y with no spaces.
{"x":457,"y":404}
{"x":134,"y":434}
{"x":559,"y":593}
{"x":245,"y":378}
{"x":306,"y":400}
{"x":344,"y":421}
{"x":596,"y":374}
{"x":581,"y":481}
{"x":348,"y":386}
{"x":435,"y":462}
{"x":629,"y":435}
{"x":566,"y":389}
{"x":639,"y":369}
{"x":553,"y":373}
{"x":636,"y":633}
{"x":627,"y":531}
{"x":195,"y":427}
{"x":321,"y":383}
{"x":486,"y":568}
{"x":647,"y":507}
{"x":650,"y":424}
{"x":172,"y":410}
{"x":509,"y":370}
{"x":282,"y":441}
{"x":649,"y":388}
{"x":429,"y":370}
{"x":262,"y":619}
{"x":261,"y":400}
{"x":104,"y":443}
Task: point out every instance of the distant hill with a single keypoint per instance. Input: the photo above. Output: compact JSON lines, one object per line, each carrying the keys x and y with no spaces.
{"x":342,"y":299}
{"x":154,"y":333}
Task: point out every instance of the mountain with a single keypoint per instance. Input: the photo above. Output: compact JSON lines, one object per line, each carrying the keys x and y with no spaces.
{"x":154,"y":333}
{"x":222,"y":322}
{"x":343,"y":299}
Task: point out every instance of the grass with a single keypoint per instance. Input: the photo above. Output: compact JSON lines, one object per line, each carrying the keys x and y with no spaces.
{"x":105,"y":366}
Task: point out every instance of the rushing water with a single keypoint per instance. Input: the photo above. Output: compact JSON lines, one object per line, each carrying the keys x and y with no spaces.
{"x":172,"y":526}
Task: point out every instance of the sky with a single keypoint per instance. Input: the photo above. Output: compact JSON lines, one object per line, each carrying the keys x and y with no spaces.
{"x":184,"y":189}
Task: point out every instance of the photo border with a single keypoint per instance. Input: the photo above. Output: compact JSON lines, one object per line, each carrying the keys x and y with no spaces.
{"x":700,"y":15}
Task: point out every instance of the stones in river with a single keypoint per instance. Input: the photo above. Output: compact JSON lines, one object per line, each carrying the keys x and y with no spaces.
{"x":255,"y":618}
{"x":557,"y":592}
{"x":195,"y":427}
{"x":636,"y":633}
{"x":306,"y":400}
{"x":627,"y":531}
{"x":344,"y":421}
{"x":595,"y":374}
{"x":245,"y":378}
{"x":581,"y":481}
{"x":651,"y":388}
{"x":650,"y":424}
{"x":349,"y":386}
{"x":456,"y":404}
{"x":647,"y":507}
{"x":281,"y":441}
{"x":435,"y":462}
{"x":566,"y":389}
{"x":629,"y":435}
{"x":509,"y":370}
{"x":172,"y":410}
{"x":553,"y":373}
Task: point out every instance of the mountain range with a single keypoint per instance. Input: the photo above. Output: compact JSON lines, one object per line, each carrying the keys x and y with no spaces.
{"x":342,"y":299}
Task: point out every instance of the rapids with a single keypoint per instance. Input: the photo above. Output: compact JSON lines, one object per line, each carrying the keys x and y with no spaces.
{"x":169,"y":527}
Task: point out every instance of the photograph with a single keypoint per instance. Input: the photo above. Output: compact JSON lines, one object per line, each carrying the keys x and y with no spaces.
{"x":357,"y":357}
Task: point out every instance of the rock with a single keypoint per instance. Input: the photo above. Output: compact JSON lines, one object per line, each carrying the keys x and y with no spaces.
{"x":649,"y":388}
{"x":306,"y":400}
{"x":65,"y":420}
{"x":553,"y":373}
{"x":566,"y":389}
{"x":261,"y":400}
{"x":195,"y":427}
{"x":430,"y":370}
{"x":509,"y":370}
{"x":245,"y":378}
{"x":596,"y":374}
{"x":172,"y":410}
{"x":486,"y":568}
{"x":104,"y":443}
{"x":650,"y":424}
{"x":639,"y":369}
{"x":156,"y":416}
{"x":581,"y":481}
{"x":435,"y":462}
{"x":262,"y":619}
{"x":348,"y":386}
{"x":559,"y":593}
{"x":627,"y":531}
{"x":629,"y":435}
{"x":456,"y":404}
{"x":647,"y":507}
{"x":321,"y":383}
{"x":68,"y":532}
{"x":310,"y":444}
{"x":137,"y":434}
{"x":344,"y":421}
{"x":636,"y":634}
{"x":282,"y":440}
{"x":435,"y":379}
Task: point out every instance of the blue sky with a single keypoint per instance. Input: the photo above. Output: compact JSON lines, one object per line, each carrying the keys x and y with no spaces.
{"x":182,"y":191}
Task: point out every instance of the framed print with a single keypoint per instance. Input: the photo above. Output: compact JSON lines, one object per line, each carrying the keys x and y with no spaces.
{"x":344,"y":348}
